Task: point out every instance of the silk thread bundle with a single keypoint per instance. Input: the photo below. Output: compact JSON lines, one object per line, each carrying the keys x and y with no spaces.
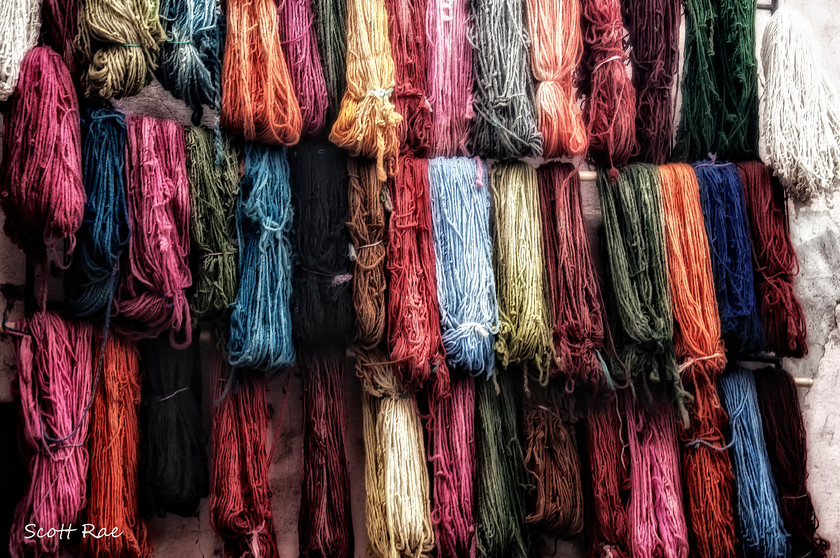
{"x":574,"y":294}
{"x":501,"y":531}
{"x":173,"y":464}
{"x":42,"y":193}
{"x":775,"y":261}
{"x":504,"y":124}
{"x":92,"y":279}
{"x":784,"y":434}
{"x":707,"y":472}
{"x":727,"y":227}
{"x":414,"y":332}
{"x":556,"y":46}
{"x":449,"y":75}
{"x":330,"y":18}
{"x":655,"y":512}
{"x":761,"y":527}
{"x":258,"y":98}
{"x":322,"y":311}
{"x":524,"y":316}
{"x":609,"y":97}
{"x":654,"y":27}
{"x":637,"y":272}
{"x":368,"y":251}
{"x":240,"y":496}
{"x":214,"y":185}
{"x":190,"y":65}
{"x":114,"y":443}
{"x":406,"y":26}
{"x":59,"y":25}
{"x":20,"y":22}
{"x":300,"y":46}
{"x":799,"y":112}
{"x":325,"y":523}
{"x":120,"y":43}
{"x":152,"y":290}
{"x":261,"y":320}
{"x":367,"y":121}
{"x":466,"y":285}
{"x":452,"y":454}
{"x":54,"y":381}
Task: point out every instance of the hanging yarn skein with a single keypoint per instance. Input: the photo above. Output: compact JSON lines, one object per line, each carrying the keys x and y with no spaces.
{"x":114,"y":444}
{"x":504,"y":124}
{"x":722,"y":199}
{"x":152,"y":290}
{"x":54,"y":381}
{"x":214,"y":186}
{"x":784,"y":434}
{"x":367,"y":122}
{"x":449,"y":75}
{"x":574,"y":294}
{"x":556,"y":45}
{"x":261,"y":321}
{"x":775,"y":261}
{"x":120,"y":42}
{"x":761,"y":527}
{"x":41,"y":192}
{"x":524,"y":317}
{"x":800,"y":111}
{"x":329,"y":23}
{"x":258,"y":98}
{"x":466,"y":285}
{"x":59,"y":25}
{"x":20,"y":22}
{"x":609,"y":98}
{"x":707,"y":472}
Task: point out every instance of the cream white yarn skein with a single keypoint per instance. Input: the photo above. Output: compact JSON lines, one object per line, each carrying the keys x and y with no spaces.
{"x":20,"y":23}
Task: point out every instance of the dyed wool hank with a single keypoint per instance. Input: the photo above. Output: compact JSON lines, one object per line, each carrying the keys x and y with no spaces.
{"x":59,"y":26}
{"x":329,"y":23}
{"x":20,"y":22}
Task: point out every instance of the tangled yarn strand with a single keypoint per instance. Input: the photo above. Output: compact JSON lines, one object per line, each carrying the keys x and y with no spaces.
{"x":20,"y":22}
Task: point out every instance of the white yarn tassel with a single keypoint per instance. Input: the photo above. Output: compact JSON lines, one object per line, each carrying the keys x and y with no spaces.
{"x":20,"y":23}
{"x":800,"y":109}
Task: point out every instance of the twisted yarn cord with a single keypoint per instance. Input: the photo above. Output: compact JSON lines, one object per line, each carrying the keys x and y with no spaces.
{"x":214,"y":186}
{"x":654,"y":27}
{"x":655,"y":512}
{"x":20,"y":23}
{"x":330,"y":17}
{"x":54,"y":381}
{"x":556,"y":46}
{"x":368,"y":251}
{"x":120,"y":42}
{"x":784,"y":434}
{"x":762,"y":529}
{"x":93,"y":276}
{"x":574,"y":294}
{"x":501,"y":531}
{"x":775,"y":261}
{"x":325,"y":523}
{"x":602,"y":80}
{"x":707,"y":472}
{"x":173,"y":463}
{"x":524,"y":329}
{"x":449,"y":75}
{"x":261,"y":320}
{"x":800,"y":109}
{"x":367,"y":122}
{"x":322,"y":310}
{"x":414,"y":330}
{"x":504,"y":123}
{"x":300,"y":46}
{"x":114,"y":443}
{"x":258,"y":99}
{"x":452,"y":454}
{"x":41,"y":192}
{"x":152,"y":291}
{"x":466,"y":286}
{"x":190,"y":65}
{"x":722,"y":199}
{"x":59,"y":25}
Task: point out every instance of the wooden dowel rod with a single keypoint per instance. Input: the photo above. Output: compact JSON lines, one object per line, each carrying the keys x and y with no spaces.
{"x":588,"y":176}
{"x":803,"y":382}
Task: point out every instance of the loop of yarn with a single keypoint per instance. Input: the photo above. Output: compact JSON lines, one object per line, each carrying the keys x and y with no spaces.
{"x":258,"y":99}
{"x":261,"y":321}
{"x":42,"y":193}
{"x":330,"y":18}
{"x":59,"y":25}
{"x":20,"y":22}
